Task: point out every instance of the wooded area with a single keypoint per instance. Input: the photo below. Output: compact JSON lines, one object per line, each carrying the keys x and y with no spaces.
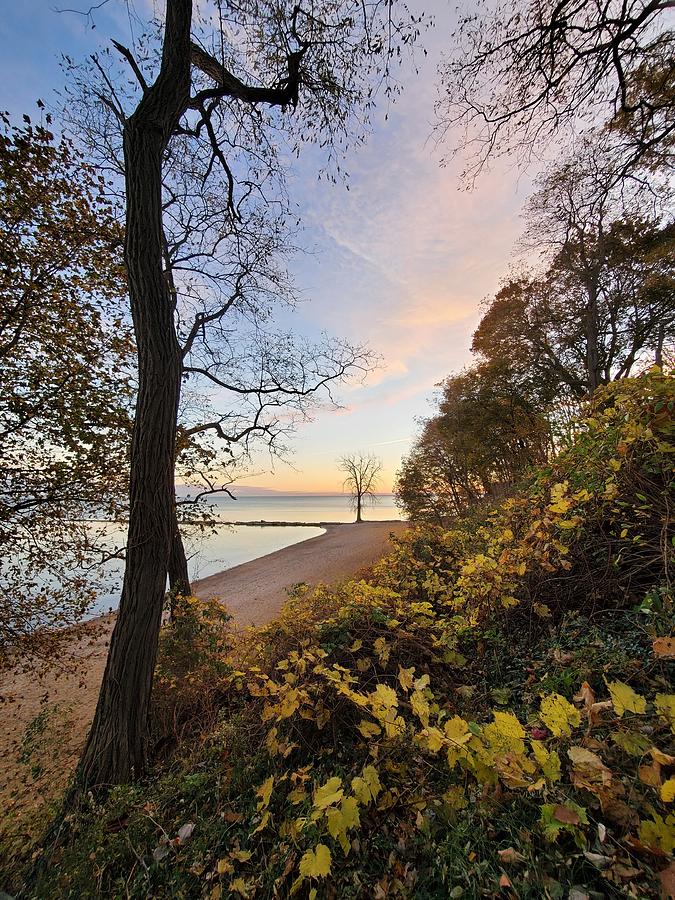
{"x":146,"y":231}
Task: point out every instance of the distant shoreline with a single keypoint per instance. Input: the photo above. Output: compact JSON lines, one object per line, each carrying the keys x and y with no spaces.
{"x":259,"y":523}
{"x":265,"y":523}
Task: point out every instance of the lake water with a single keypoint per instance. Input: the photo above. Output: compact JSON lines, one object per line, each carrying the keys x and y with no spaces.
{"x":300,"y":508}
{"x":231,"y":545}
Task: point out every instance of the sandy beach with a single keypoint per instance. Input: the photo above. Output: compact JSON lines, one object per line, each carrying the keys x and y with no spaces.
{"x":254,"y":592}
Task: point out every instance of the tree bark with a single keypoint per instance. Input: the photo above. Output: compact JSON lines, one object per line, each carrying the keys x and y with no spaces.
{"x":179,"y":576}
{"x":658,"y":354}
{"x":591,"y":329}
{"x":358,"y":508}
{"x":116,"y":745}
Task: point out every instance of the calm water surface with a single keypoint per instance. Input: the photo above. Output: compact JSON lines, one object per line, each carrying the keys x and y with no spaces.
{"x":231,"y":545}
{"x":301,"y":508}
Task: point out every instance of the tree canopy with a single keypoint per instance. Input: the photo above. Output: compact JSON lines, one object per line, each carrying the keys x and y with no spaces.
{"x":523,"y":72}
{"x":66,"y":387}
{"x":600,"y":303}
{"x":484,"y":436}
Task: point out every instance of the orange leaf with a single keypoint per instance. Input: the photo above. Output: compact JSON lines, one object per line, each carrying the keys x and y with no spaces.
{"x":665,"y":647}
{"x":667,"y":878}
{"x":566,"y":815}
{"x":650,"y":775}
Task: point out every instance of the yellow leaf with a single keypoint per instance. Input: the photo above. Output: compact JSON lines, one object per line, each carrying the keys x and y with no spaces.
{"x":316,"y":863}
{"x":458,"y":734}
{"x":384,"y":696}
{"x":329,"y":793}
{"x":659,"y":833}
{"x":420,"y":683}
{"x":395,"y":727}
{"x":624,"y":698}
{"x":288,"y":705}
{"x":405,"y":677}
{"x":455,"y":797}
{"x":263,"y":823}
{"x":225,"y":867}
{"x":504,"y":734}
{"x":559,"y":715}
{"x":265,"y":792}
{"x":548,"y":760}
{"x":239,"y":887}
{"x":367,"y":786}
{"x":369,"y":729}
{"x":342,"y":819}
{"x":432,"y":739}
{"x":668,"y":790}
{"x":665,"y":706}
{"x":420,"y":706}
{"x":382,"y":649}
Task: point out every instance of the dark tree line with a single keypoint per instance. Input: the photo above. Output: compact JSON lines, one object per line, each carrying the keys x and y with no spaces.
{"x":595,"y":303}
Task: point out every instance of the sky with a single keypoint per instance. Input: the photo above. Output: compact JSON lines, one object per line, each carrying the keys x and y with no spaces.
{"x":402,"y":260}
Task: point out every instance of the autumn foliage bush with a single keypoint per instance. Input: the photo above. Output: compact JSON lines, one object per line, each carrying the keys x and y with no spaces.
{"x":191,"y":670}
{"x":492,"y":711}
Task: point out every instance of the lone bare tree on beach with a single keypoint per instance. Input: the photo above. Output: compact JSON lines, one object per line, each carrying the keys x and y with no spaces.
{"x":362,"y":476}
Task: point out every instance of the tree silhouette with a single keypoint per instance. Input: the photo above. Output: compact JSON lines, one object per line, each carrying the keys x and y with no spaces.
{"x":362,"y":475}
{"x":248,"y":73}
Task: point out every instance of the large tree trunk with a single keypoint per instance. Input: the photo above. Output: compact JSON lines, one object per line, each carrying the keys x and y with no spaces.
{"x":358,"y":508}
{"x":116,"y":746}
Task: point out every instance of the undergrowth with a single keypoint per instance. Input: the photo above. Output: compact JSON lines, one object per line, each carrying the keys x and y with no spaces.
{"x":489,"y":714}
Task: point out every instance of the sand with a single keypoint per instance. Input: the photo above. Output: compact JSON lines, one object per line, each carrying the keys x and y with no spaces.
{"x":254,"y":592}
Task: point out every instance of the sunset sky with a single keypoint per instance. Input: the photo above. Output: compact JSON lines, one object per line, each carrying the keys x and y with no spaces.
{"x":402,"y":260}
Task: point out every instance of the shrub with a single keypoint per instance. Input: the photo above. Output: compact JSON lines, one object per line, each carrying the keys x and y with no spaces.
{"x":407,"y":736}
